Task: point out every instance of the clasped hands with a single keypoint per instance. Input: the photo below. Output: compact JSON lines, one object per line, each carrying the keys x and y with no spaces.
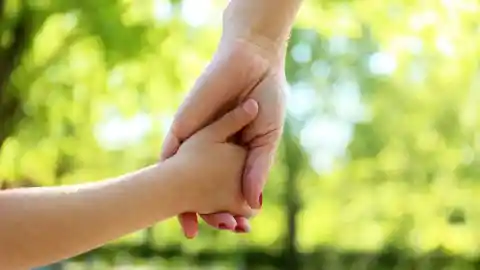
{"x":240,"y":70}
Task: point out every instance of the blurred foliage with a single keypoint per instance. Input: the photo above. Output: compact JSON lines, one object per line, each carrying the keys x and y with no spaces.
{"x":383,"y":105}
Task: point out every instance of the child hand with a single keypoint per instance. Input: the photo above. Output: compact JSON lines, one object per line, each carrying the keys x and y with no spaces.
{"x":212,"y":167}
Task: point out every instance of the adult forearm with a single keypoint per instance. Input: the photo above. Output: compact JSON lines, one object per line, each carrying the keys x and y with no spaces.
{"x":266,"y":21}
{"x":42,"y":225}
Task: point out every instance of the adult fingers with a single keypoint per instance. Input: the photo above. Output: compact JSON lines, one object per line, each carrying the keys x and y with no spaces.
{"x":222,"y":221}
{"x":243,"y":225}
{"x":226,"y":221}
{"x":189,"y":223}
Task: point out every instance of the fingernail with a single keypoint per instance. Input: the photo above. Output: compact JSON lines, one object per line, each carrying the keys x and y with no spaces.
{"x":260,"y":199}
{"x":222,"y":226}
{"x":250,"y":106}
{"x":190,"y":237}
{"x":240,"y":229}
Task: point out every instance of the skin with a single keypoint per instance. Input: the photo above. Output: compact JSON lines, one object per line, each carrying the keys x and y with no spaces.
{"x":40,"y":226}
{"x":249,"y":63}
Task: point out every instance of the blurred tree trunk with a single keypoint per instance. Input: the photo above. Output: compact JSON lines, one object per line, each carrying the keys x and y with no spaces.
{"x":293,"y":160}
{"x":10,"y":55}
{"x":150,"y":237}
{"x":19,"y":29}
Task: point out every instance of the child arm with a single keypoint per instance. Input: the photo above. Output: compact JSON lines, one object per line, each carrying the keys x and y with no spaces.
{"x":39,"y":226}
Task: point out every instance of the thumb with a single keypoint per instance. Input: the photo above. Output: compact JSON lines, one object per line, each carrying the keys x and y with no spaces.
{"x":233,"y":121}
{"x":170,"y":146}
{"x":258,"y":164}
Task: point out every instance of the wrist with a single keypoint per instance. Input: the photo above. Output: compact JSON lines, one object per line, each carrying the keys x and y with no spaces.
{"x":176,"y":185}
{"x":266,"y":24}
{"x":157,"y":191}
{"x":265,"y":55}
{"x":273,"y":53}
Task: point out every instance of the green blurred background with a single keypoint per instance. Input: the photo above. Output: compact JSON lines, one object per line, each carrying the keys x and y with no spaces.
{"x":379,"y":165}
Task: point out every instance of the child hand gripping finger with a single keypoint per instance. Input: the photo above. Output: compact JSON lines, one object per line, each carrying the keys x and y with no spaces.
{"x":42,"y":225}
{"x":212,"y":167}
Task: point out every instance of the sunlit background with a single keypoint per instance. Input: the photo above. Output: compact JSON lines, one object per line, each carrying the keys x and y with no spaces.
{"x":379,"y":167}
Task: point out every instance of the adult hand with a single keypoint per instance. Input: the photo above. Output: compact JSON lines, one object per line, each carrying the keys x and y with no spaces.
{"x":239,"y":70}
{"x":248,"y":64}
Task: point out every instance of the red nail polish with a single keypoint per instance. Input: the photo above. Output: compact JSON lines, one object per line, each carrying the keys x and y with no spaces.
{"x":240,"y":229}
{"x":260,"y":199}
{"x":222,"y":226}
{"x":190,"y":237}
